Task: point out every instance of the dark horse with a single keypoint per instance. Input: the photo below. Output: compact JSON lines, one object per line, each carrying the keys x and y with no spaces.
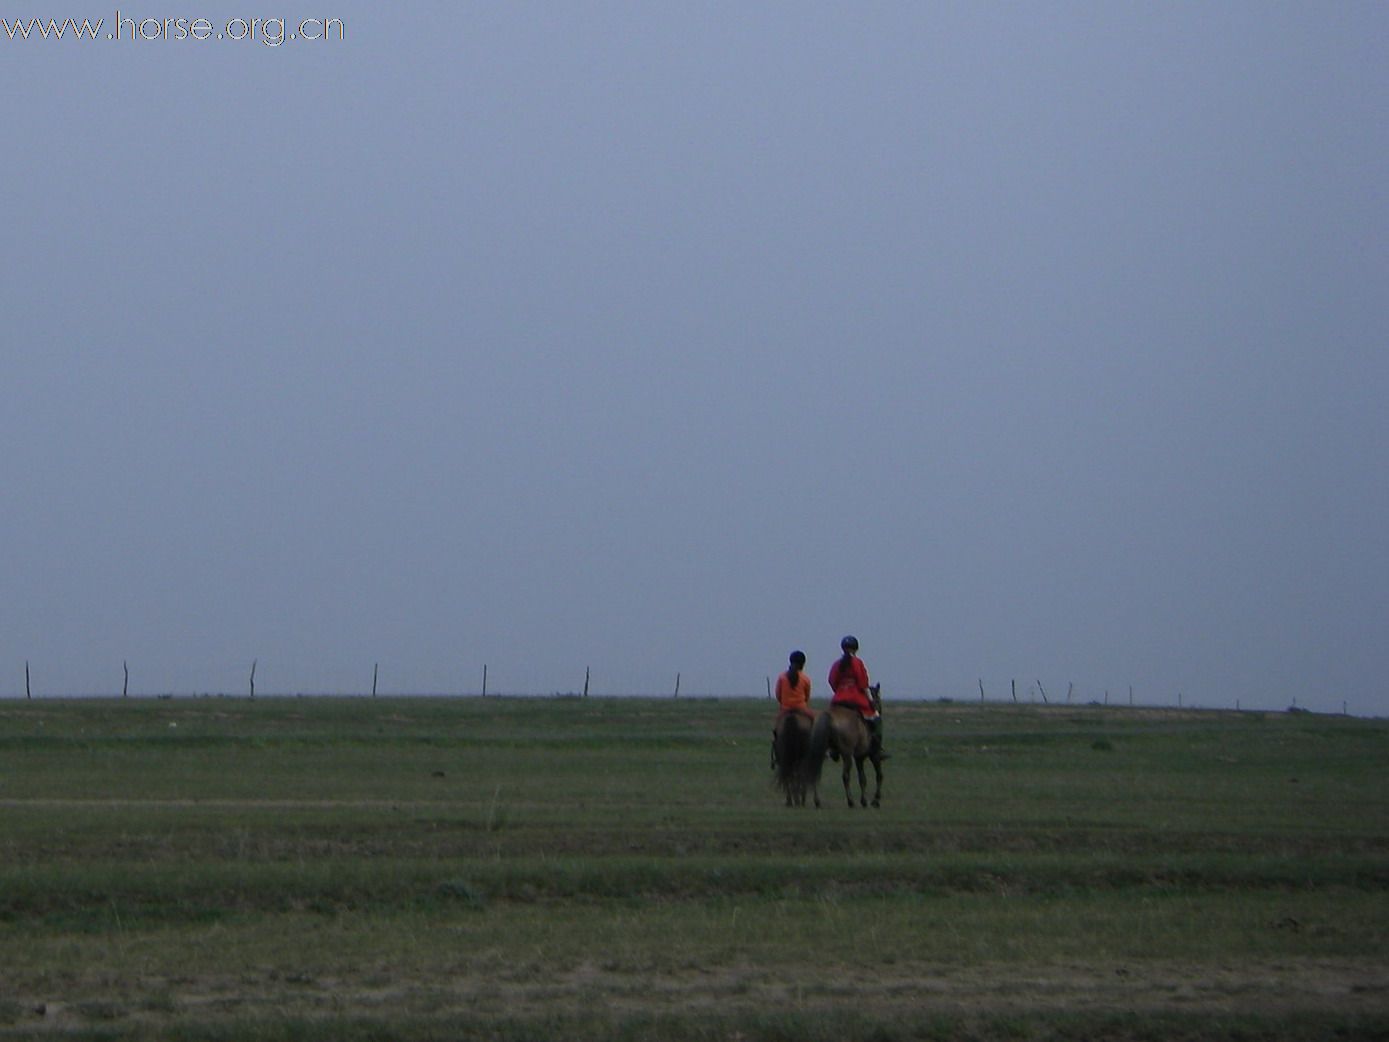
{"x":792,"y":759}
{"x":843,"y":730}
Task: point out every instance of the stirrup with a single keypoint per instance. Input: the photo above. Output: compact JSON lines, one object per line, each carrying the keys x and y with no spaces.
{"x":883,"y":754}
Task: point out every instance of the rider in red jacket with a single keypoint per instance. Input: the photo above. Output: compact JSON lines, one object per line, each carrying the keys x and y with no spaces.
{"x":849,"y":682}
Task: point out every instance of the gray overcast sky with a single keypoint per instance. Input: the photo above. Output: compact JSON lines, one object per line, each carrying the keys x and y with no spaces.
{"x":1035,"y":341}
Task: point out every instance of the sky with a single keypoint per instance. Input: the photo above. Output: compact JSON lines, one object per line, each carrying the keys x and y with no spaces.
{"x":1043,"y":344}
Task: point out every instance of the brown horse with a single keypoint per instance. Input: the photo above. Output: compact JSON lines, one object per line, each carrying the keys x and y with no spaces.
{"x":843,"y":730}
{"x":792,"y":757}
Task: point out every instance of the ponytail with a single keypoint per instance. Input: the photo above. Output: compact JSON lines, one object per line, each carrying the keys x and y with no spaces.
{"x":846,"y":662}
{"x":793,"y":675}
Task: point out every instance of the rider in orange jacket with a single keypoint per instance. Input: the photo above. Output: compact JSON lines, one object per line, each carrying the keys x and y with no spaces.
{"x":792,"y":695}
{"x":793,"y":688}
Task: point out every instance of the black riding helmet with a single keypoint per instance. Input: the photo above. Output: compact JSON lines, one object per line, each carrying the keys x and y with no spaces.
{"x":849,"y":643}
{"x":797,"y":659}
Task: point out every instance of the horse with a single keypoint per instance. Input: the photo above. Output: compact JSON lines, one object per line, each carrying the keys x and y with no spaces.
{"x":791,"y":749}
{"x":843,"y":732}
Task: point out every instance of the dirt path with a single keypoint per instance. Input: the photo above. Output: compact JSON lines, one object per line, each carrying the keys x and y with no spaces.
{"x":1344,"y":988}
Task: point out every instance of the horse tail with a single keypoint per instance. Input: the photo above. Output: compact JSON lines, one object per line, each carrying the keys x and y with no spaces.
{"x":819,"y":745}
{"x":790,"y":752}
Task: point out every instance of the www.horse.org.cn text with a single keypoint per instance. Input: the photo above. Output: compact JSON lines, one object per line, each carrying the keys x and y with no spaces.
{"x":272,"y":32}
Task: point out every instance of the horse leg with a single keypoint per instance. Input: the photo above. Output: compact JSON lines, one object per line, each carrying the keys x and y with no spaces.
{"x":862,"y":782}
{"x":848,"y":762}
{"x":878,"y":790}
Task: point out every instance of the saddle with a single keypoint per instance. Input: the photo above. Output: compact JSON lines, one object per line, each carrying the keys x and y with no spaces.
{"x":867,"y":713}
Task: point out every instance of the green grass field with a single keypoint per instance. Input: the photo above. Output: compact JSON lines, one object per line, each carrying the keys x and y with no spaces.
{"x":334,"y":868}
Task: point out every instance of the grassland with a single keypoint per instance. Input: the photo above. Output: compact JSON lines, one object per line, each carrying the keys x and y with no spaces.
{"x":621,"y":868}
